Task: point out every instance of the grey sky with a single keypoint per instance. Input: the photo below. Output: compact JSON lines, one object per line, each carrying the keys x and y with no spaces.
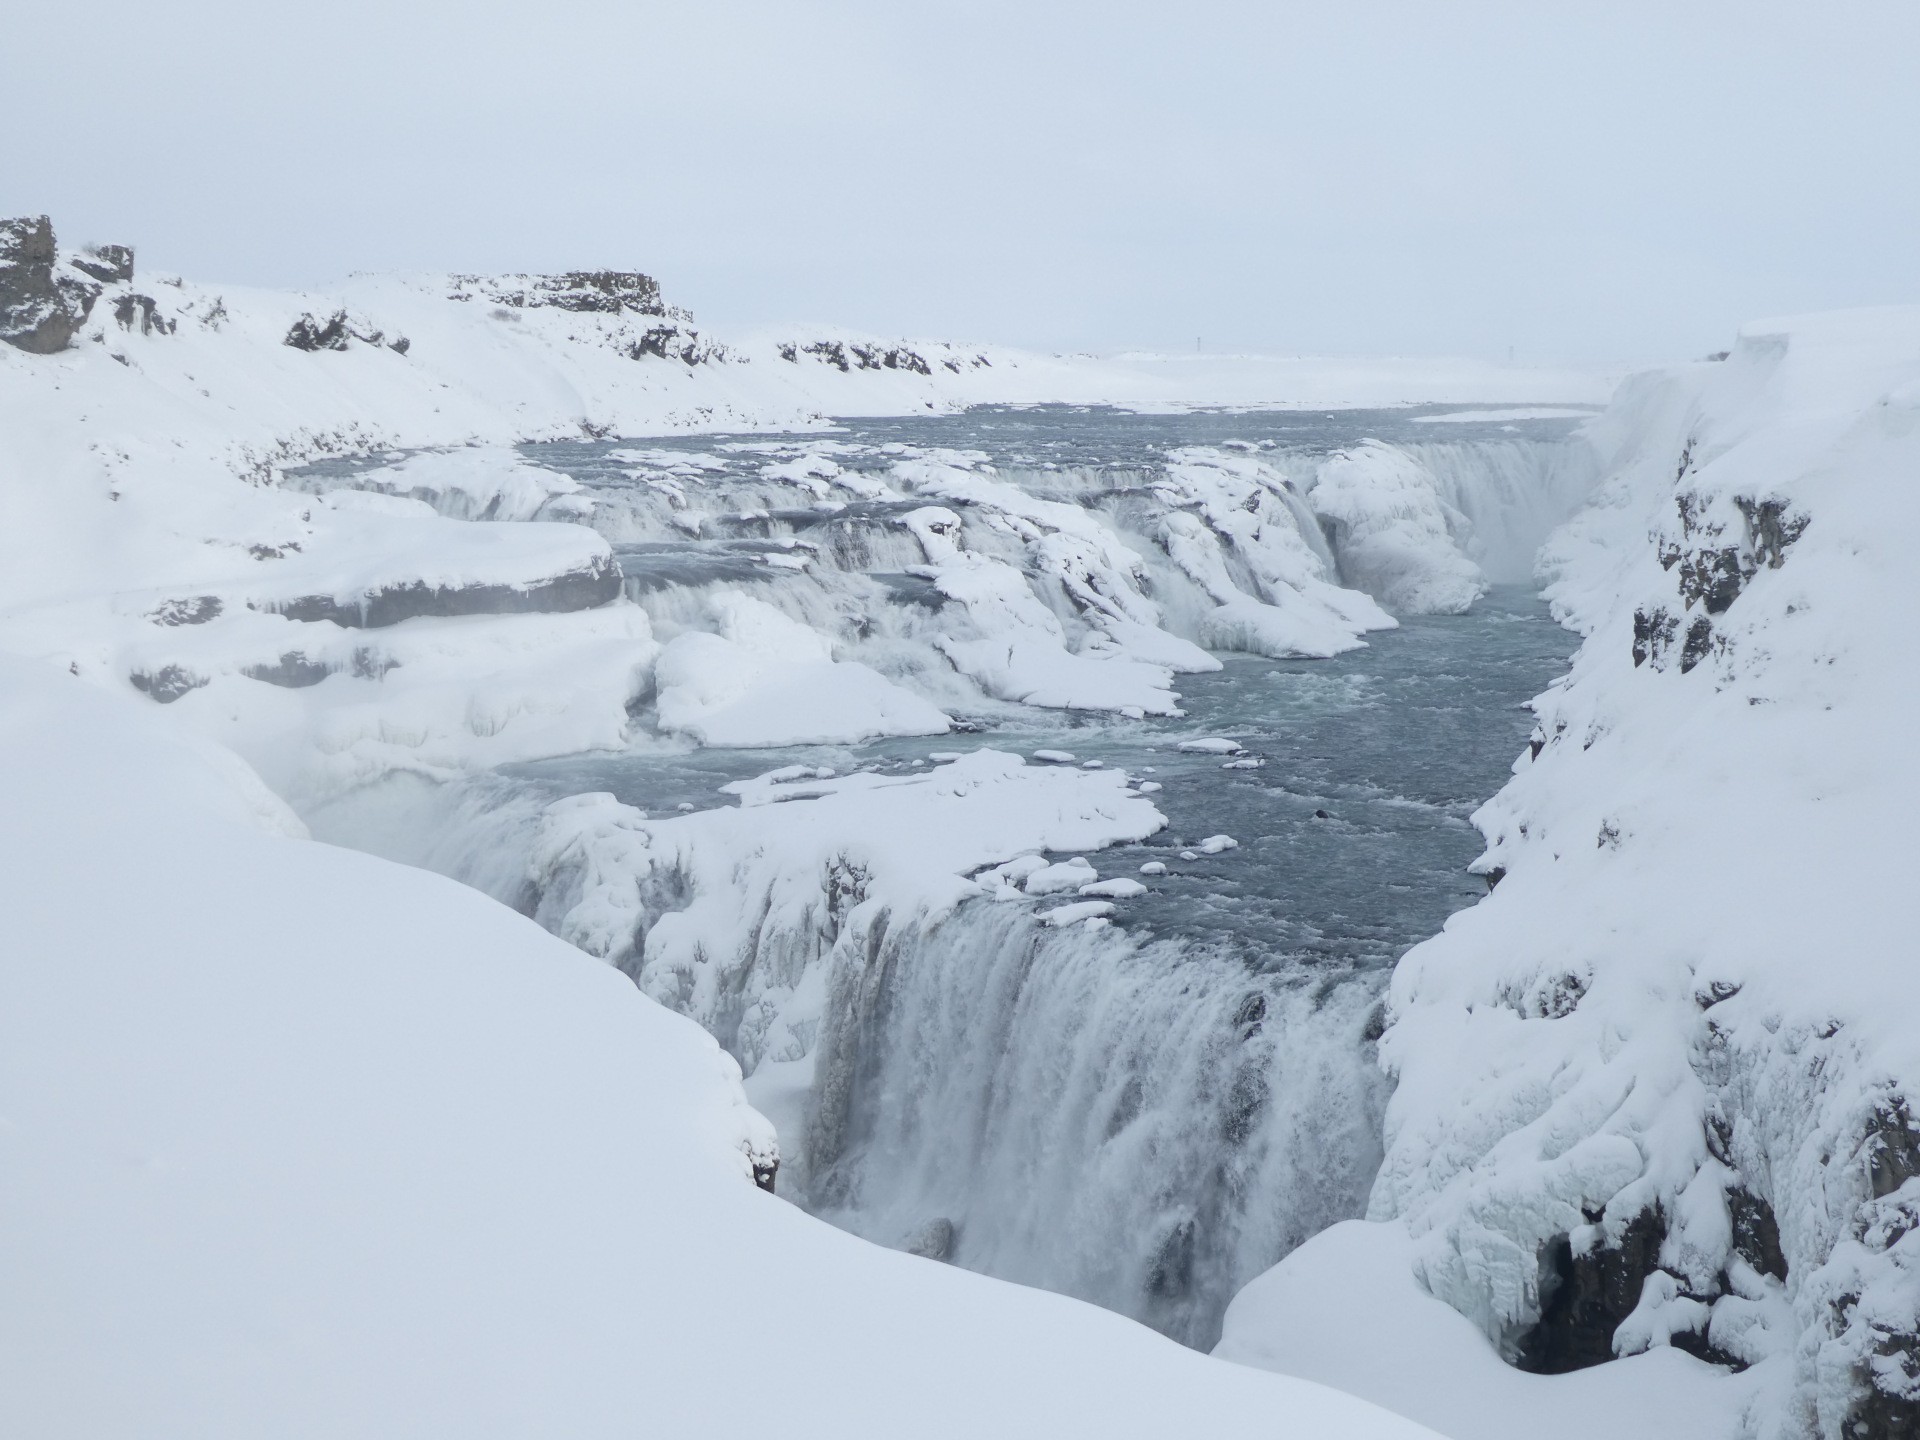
{"x":1607,"y":182}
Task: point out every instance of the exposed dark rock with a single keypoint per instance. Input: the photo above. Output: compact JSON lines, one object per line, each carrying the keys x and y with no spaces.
{"x":1322,"y":815}
{"x":131,"y":310}
{"x":1756,"y":1234}
{"x":1878,"y":1415}
{"x":1653,"y":632}
{"x":592,"y":584}
{"x":1770,"y":529}
{"x":847,"y":358}
{"x":1892,"y":1148}
{"x":193,"y":610}
{"x":668,"y":342}
{"x":292,"y":670}
{"x":1699,"y":641}
{"x":831,"y":351}
{"x":1585,"y":1297}
{"x":1494,"y":875}
{"x":400,"y":344}
{"x":109,"y":264}
{"x":310,"y":334}
{"x":1712,"y":578}
{"x":166,"y":684}
{"x":600,"y":292}
{"x":37,"y":313}
{"x":764,"y":1171}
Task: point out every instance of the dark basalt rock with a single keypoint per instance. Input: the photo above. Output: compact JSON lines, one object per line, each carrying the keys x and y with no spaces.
{"x":166,"y":684}
{"x":1712,"y":578}
{"x":1653,"y":632}
{"x":764,"y":1172}
{"x":1756,"y":1234}
{"x":1892,"y":1147}
{"x":293,"y":671}
{"x":847,"y":358}
{"x":582,"y":589}
{"x":38,"y":313}
{"x":1699,"y":641}
{"x":1585,"y":1297}
{"x":131,"y":310}
{"x":109,"y":264}
{"x":310,"y":334}
{"x":1879,"y":1415}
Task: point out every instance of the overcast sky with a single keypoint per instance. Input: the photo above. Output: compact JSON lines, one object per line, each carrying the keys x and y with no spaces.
{"x":1583,"y":182}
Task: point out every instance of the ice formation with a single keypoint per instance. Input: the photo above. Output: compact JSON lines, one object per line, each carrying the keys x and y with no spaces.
{"x":1654,"y":1090}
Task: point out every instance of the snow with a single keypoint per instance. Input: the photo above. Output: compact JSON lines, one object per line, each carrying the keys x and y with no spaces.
{"x":738,"y":915}
{"x":1212,"y":745}
{"x":1395,"y":534}
{"x":766,"y":680}
{"x":1345,"y":1310}
{"x":303,"y":1143}
{"x":1690,"y":984}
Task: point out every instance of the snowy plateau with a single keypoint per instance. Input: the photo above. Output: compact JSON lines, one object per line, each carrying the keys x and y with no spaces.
{"x":856,"y":774}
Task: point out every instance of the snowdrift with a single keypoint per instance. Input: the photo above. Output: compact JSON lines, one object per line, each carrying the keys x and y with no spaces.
{"x":303,"y":1143}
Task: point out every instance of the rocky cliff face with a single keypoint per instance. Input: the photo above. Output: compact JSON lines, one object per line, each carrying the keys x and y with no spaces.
{"x":1656,"y":1090}
{"x":43,"y":302}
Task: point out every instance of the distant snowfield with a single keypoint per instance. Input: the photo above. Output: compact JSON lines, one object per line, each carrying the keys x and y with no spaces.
{"x":301,"y":1142}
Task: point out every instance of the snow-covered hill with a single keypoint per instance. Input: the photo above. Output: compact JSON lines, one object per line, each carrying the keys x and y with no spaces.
{"x":1655,"y":1090}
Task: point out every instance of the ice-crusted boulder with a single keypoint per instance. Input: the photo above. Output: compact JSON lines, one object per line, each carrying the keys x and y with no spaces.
{"x":1658,"y":1090}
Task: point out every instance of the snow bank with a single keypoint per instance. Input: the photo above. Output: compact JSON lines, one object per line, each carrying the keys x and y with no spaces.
{"x":303,"y":1143}
{"x":765,"y":680}
{"x":1656,"y":1088}
{"x":1345,"y":1310}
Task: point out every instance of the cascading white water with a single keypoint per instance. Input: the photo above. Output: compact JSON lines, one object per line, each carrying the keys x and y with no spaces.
{"x":1147,"y":1126}
{"x":1145,"y":1115}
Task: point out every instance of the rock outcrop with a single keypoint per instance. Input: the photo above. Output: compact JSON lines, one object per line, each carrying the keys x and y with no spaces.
{"x":38,"y":313}
{"x":596,"y":582}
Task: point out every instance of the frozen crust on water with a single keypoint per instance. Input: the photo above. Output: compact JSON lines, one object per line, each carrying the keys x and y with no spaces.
{"x":1212,"y":745}
{"x":766,"y":680}
{"x":1063,"y":915}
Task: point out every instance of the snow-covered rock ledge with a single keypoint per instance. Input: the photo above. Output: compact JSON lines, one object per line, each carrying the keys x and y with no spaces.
{"x":1658,"y":1089}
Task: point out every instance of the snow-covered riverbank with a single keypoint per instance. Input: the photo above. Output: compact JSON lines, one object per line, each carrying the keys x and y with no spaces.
{"x":1651,"y":1092}
{"x":1655,"y":1089}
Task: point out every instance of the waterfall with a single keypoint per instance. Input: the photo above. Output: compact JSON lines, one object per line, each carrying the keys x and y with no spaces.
{"x":1145,"y":1125}
{"x":1146,"y":1120}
